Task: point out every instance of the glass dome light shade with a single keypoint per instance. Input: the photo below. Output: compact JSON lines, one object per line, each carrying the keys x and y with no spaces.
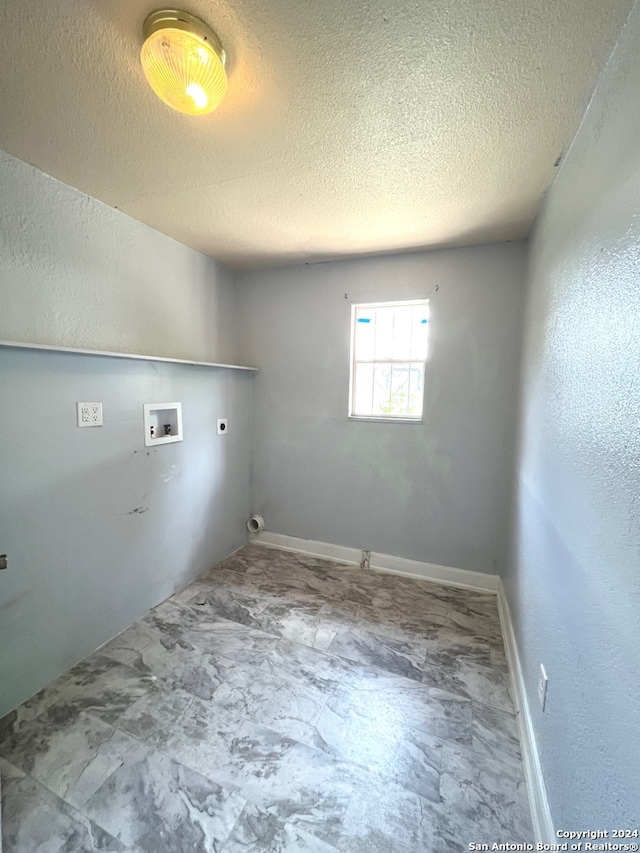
{"x":184,"y":62}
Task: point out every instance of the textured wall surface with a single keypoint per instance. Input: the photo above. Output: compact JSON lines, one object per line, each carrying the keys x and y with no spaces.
{"x":574,"y":588}
{"x":350,"y":126}
{"x":74,"y":272}
{"x":435,"y":491}
{"x":97,"y":527}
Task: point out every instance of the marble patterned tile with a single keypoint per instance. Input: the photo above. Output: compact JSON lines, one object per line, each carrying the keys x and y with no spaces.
{"x":320,"y":670}
{"x":281,"y":576}
{"x":487,"y":793}
{"x":183,"y":626}
{"x":153,"y":717}
{"x":98,"y":684}
{"x":301,"y":588}
{"x":411,"y":600}
{"x":336,"y":585}
{"x":300,"y":785}
{"x":354,"y":732}
{"x":397,"y":624}
{"x":69,"y":751}
{"x":168,"y":621}
{"x":180,"y":664}
{"x":446,"y":645}
{"x":104,"y":687}
{"x":296,"y":783}
{"x":304,"y":623}
{"x":231,"y":640}
{"x":273,"y":699}
{"x":9,"y":772}
{"x":222,"y":603}
{"x":478,"y":617}
{"x":495,"y":733}
{"x":81,"y":841}
{"x":277,"y":573}
{"x":184,"y":595}
{"x":35,"y":820}
{"x":341,"y":612}
{"x":386,"y":818}
{"x":424,"y":628}
{"x":200,"y":738}
{"x":304,"y":577}
{"x":257,"y":831}
{"x":402,"y":704}
{"x":498,"y":654}
{"x":127,"y":646}
{"x":254,"y":558}
{"x":156,"y":805}
{"x":396,"y":656}
{"x":464,"y":677}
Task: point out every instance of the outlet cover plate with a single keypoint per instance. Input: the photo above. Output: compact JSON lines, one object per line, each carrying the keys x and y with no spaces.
{"x":89,"y":414}
{"x":223,"y":426}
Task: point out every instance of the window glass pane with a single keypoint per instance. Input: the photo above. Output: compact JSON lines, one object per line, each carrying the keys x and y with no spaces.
{"x":384,"y":333}
{"x":402,"y":328}
{"x":416,"y":390}
{"x":364,"y":333}
{"x":400,"y":389}
{"x":419,"y":329}
{"x":397,"y":390}
{"x":363,"y":390}
{"x":381,"y":389}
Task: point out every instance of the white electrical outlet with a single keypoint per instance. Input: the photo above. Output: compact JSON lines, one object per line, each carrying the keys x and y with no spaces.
{"x":543,"y":681}
{"x":89,"y":414}
{"x":223,"y":426}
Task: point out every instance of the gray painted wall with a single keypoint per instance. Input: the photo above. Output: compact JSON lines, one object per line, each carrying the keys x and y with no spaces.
{"x":574,"y":585}
{"x":436,"y":491}
{"x":97,"y":527}
{"x":76,"y":273}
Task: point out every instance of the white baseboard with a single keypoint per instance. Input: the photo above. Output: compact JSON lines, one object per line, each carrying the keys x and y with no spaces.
{"x":445,"y":575}
{"x":338,"y":553}
{"x":540,"y":812}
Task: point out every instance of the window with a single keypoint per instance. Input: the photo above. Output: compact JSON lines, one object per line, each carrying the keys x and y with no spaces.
{"x":388,"y":355}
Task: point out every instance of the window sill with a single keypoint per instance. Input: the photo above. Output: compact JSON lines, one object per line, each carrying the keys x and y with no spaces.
{"x":372,"y":420}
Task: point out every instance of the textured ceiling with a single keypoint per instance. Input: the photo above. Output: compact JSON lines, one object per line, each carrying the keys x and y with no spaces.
{"x":350,"y":126}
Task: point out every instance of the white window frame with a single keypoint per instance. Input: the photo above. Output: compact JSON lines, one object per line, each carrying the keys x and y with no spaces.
{"x":408,"y":419}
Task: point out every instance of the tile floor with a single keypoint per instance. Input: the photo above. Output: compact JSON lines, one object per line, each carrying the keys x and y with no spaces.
{"x":279,"y":704}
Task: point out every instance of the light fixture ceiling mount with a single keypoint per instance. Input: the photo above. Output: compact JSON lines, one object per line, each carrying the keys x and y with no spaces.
{"x":183,"y":61}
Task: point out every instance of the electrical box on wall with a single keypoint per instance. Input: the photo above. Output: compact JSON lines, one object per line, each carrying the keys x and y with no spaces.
{"x":162,"y":423}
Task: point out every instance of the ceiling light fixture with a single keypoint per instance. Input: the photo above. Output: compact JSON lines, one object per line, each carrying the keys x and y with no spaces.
{"x":183,"y":61}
